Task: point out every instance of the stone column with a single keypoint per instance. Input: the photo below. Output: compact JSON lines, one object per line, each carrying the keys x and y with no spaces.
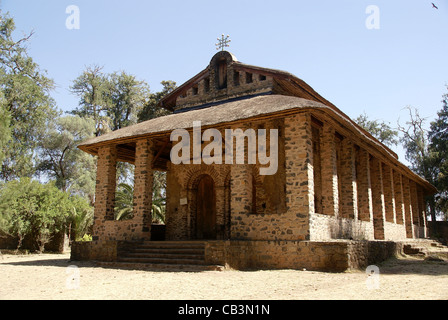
{"x":388,"y":189}
{"x":143,"y":181}
{"x":349,"y":197}
{"x":105,"y":190}
{"x":241,"y":199}
{"x":422,"y":210}
{"x":330,"y":195}
{"x":399,"y":199}
{"x":377,"y":198}
{"x":408,"y":208}
{"x":299,"y":176}
{"x":364,"y":188}
{"x":415,"y":209}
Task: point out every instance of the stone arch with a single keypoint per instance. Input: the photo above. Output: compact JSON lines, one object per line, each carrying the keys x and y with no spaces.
{"x":227,"y":205}
{"x":193,"y":177}
{"x":258,"y":191}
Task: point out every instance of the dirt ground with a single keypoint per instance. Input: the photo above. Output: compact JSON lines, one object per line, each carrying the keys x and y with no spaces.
{"x":48,"y":276}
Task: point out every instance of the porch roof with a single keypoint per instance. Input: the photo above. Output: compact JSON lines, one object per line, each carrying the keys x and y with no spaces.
{"x":245,"y":110}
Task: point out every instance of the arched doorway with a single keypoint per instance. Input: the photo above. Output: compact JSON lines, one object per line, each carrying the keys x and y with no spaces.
{"x":206,"y":208}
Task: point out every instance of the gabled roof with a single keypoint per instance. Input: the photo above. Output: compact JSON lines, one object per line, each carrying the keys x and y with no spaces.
{"x":281,"y":82}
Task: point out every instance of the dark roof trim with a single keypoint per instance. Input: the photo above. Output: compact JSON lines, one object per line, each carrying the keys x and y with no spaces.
{"x":212,"y":104}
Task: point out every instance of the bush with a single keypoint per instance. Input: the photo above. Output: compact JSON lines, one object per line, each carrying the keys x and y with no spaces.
{"x":31,"y":209}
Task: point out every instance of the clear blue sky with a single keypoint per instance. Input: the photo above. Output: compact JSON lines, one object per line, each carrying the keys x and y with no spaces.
{"x":325,"y":43}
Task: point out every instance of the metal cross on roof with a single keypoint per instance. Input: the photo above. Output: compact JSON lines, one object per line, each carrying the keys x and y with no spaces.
{"x":223,"y":42}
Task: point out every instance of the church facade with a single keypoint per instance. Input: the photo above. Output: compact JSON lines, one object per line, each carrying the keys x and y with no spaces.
{"x":262,"y":170}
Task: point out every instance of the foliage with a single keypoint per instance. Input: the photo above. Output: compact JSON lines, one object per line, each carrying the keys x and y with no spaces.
{"x":31,"y":209}
{"x":379,"y":129}
{"x":124,"y":200}
{"x":113,"y":101}
{"x":438,"y":136}
{"x":150,"y":109}
{"x":25,"y":100}
{"x":5,"y":131}
{"x":60,"y":158}
{"x":80,"y":219}
{"x":126,"y":97}
{"x":91,"y":88}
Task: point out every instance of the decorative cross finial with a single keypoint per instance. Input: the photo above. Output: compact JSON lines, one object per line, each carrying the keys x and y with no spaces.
{"x":223,"y":42}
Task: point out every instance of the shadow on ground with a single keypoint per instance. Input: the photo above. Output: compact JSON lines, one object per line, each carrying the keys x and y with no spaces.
{"x":400,"y":265}
{"x":412,"y":265}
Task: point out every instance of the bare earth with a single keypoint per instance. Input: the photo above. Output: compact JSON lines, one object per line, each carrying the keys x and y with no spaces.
{"x":47,"y":277}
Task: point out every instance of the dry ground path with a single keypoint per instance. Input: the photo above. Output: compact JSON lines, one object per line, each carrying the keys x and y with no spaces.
{"x":47,"y":276}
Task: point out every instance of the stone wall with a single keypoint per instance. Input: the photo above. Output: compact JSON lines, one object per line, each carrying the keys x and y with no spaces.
{"x":324,"y":227}
{"x":94,"y":250}
{"x":334,"y":256}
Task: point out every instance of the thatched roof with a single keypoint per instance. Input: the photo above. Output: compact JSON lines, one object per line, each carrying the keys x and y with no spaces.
{"x":225,"y":112}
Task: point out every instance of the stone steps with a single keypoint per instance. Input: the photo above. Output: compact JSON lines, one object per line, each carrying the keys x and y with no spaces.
{"x":425,"y":248}
{"x":166,"y":255}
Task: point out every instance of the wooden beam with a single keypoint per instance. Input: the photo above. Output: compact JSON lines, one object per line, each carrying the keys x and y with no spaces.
{"x":160,"y":152}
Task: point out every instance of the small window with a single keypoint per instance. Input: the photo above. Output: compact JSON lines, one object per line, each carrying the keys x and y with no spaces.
{"x":262,"y":77}
{"x":207,"y":84}
{"x":236,"y":78}
{"x":195,"y":90}
{"x":222,"y":74}
{"x":249,"y":78}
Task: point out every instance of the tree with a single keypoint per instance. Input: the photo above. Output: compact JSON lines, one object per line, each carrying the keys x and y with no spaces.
{"x":31,"y":209}
{"x":91,"y":88}
{"x":126,"y":96}
{"x":420,"y":156}
{"x":80,"y":219}
{"x":379,"y":129}
{"x":25,"y":102}
{"x":124,"y":201}
{"x":5,"y":131}
{"x":150,"y":109}
{"x":60,"y":158}
{"x":438,"y":136}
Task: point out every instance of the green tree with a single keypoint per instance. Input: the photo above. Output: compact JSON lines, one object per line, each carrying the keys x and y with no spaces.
{"x":126,"y":96}
{"x":124,"y":200}
{"x":31,"y":209}
{"x":25,"y":102}
{"x":91,"y":87}
{"x":150,"y":109}
{"x":420,"y":156}
{"x":379,"y":129}
{"x":438,"y":135}
{"x":80,"y":219}
{"x":60,"y":159}
{"x":5,"y":131}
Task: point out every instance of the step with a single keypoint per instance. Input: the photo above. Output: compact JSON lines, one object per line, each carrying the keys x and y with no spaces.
{"x":161,"y":260}
{"x":161,"y":245}
{"x":161,"y":266}
{"x":167,"y":250}
{"x":163,"y":255}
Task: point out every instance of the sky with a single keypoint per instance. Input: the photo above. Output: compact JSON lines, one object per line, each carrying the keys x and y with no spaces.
{"x":374,"y":57}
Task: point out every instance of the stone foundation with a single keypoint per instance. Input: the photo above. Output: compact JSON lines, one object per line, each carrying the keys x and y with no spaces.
{"x":332,"y":256}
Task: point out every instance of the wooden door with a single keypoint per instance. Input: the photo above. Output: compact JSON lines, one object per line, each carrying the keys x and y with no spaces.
{"x":206,"y":209}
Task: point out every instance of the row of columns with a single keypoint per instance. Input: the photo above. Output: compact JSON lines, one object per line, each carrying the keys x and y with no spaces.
{"x":105,"y":228}
{"x":354,"y":184}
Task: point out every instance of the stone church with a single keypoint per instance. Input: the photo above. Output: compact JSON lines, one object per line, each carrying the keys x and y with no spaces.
{"x":338,"y":198}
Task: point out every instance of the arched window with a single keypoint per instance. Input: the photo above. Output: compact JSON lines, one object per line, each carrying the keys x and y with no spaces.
{"x":222,"y":74}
